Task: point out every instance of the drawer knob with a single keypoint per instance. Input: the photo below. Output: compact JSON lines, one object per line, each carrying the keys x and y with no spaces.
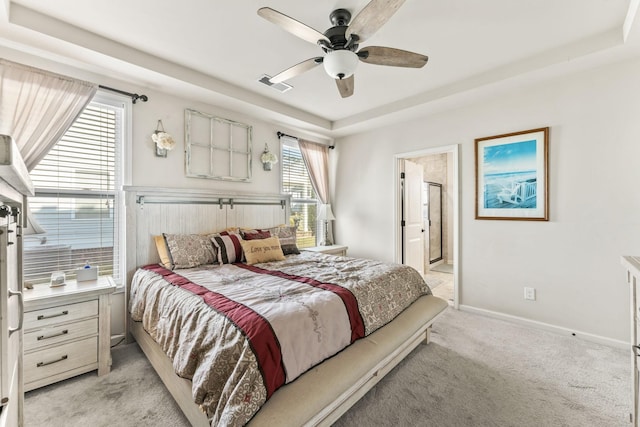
{"x":46,"y":337}
{"x":41,"y":364}
{"x":50,"y":316}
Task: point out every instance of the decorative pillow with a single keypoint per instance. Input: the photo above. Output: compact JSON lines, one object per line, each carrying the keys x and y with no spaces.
{"x":189,"y":250}
{"x":228,"y":247}
{"x":255,"y":234}
{"x":262,"y":250}
{"x":163,"y":252}
{"x":287,"y":236}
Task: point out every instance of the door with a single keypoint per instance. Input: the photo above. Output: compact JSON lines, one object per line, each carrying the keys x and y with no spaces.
{"x":413,"y":225}
{"x":434,"y":221}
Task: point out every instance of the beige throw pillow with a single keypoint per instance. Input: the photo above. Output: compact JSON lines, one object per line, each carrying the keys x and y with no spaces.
{"x":163,"y":252}
{"x":262,"y":250}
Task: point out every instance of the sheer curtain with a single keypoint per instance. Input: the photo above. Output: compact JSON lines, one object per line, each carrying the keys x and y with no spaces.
{"x":316,"y":159}
{"x":37,"y":107}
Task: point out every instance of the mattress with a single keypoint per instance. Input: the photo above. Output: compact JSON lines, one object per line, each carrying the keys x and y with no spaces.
{"x":240,"y":332}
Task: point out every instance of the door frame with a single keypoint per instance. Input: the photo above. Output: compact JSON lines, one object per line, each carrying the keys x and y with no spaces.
{"x":398,"y":168}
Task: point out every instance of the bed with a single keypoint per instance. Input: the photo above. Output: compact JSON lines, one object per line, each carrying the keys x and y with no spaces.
{"x":362,"y":317}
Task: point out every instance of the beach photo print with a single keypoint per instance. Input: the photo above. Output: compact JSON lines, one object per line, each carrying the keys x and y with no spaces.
{"x":512,"y":176}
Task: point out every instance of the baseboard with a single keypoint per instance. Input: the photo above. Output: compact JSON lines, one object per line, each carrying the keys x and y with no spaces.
{"x":547,"y":326}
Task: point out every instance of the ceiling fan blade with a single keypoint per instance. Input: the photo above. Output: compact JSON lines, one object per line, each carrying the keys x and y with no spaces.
{"x":291,"y":25}
{"x":345,"y":86}
{"x":296,"y":70}
{"x":369,"y":20}
{"x":394,"y":57}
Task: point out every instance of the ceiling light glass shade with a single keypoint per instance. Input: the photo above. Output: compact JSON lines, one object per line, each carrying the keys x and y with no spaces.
{"x":340,"y":64}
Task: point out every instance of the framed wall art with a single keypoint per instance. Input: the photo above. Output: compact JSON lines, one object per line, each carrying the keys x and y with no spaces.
{"x":217,"y":148}
{"x":512,"y":176}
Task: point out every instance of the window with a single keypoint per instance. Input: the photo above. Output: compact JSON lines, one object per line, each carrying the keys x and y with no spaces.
{"x":304,"y":202}
{"x":77,"y":212}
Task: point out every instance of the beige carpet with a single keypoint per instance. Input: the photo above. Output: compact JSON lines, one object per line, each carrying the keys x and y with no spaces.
{"x":477,"y":371}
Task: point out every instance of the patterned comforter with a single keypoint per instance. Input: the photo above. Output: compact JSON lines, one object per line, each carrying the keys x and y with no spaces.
{"x":239,"y":332}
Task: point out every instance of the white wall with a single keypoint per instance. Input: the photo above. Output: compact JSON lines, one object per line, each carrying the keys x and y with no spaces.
{"x":573,"y":260}
{"x":149,"y":170}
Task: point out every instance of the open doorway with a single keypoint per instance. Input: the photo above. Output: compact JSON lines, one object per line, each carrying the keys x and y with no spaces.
{"x":440,"y":216}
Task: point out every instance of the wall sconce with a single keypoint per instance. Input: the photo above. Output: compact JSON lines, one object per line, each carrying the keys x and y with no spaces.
{"x":164,"y":142}
{"x":268,"y":159}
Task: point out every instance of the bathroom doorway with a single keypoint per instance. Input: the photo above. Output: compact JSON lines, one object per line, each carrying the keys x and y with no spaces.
{"x":440,"y":218}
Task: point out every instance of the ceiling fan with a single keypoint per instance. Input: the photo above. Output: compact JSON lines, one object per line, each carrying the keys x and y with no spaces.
{"x":340,"y":43}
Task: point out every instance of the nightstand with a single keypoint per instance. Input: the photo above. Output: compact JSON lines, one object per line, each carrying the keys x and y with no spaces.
{"x":340,"y":250}
{"x":67,"y":331}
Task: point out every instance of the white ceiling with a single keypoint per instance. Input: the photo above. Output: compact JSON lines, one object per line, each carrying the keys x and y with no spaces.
{"x":216,"y":50}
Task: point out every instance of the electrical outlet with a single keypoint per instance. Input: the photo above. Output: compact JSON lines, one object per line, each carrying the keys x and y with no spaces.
{"x":530,"y":294}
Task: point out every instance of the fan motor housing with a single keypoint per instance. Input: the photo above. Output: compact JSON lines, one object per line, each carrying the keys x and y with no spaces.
{"x":337,"y":37}
{"x":340,"y":19}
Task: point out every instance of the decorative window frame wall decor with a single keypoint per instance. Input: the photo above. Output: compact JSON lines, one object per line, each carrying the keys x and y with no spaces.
{"x":512,"y":176}
{"x":217,"y":148}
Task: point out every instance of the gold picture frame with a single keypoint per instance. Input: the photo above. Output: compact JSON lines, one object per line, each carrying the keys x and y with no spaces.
{"x":512,"y":176}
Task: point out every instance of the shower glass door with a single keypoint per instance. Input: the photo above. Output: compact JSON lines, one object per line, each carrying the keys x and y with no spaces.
{"x":433,"y":220}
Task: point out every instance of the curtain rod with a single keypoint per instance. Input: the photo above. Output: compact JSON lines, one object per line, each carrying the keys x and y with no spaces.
{"x":281,"y":134}
{"x":134,"y":96}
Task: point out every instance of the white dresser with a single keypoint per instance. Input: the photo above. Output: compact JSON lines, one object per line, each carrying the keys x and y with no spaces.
{"x":632,"y":264}
{"x":15,"y":185}
{"x":66,"y":331}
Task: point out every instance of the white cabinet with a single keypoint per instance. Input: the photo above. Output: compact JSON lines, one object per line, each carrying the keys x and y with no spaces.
{"x":15,"y":185}
{"x":66,"y":331}
{"x":11,"y":341}
{"x":632,"y":264}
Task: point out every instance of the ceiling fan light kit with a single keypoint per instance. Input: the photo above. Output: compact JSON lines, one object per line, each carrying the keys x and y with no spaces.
{"x":340,"y":43}
{"x":340,"y":64}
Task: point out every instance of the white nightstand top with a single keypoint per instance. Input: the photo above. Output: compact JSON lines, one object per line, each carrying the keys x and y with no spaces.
{"x":103,"y":285}
{"x":326,"y":249}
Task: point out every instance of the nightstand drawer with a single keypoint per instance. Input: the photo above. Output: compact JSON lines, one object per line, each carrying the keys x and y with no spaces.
{"x":56,"y":360}
{"x":59,"y":333}
{"x":338,"y":252}
{"x":60,"y":314}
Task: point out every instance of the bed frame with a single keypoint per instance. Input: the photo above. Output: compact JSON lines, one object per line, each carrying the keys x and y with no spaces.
{"x":322,"y":394}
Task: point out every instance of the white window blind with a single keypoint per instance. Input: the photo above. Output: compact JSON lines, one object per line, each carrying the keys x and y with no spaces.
{"x":304,"y":202}
{"x":78,"y":199}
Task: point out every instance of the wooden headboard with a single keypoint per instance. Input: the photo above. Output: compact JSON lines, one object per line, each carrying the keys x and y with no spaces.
{"x":153,"y":211}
